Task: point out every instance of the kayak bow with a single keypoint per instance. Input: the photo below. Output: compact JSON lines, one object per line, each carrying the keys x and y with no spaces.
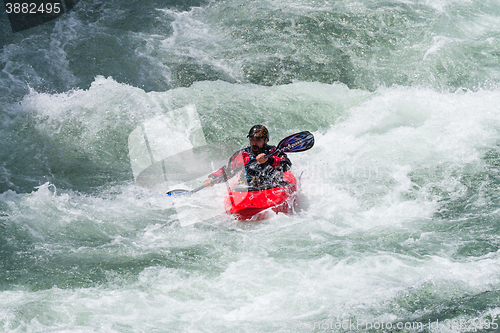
{"x":255,"y":205}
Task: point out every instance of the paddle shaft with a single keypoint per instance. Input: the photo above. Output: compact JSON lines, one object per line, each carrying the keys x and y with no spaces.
{"x":305,"y":141}
{"x":216,"y":180}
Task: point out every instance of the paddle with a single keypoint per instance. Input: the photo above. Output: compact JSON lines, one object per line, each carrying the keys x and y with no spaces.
{"x":291,"y":144}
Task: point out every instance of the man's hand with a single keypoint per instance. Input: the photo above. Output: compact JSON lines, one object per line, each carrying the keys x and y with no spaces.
{"x":208,"y":182}
{"x":261,"y":158}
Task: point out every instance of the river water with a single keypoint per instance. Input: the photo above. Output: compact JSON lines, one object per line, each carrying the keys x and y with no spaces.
{"x":397,"y":228}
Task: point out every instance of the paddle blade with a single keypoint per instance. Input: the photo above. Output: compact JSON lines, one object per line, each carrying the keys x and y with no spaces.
{"x":297,"y":142}
{"x":177,"y":192}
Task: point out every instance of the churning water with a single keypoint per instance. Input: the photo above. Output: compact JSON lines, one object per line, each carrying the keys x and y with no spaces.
{"x":398,"y":223}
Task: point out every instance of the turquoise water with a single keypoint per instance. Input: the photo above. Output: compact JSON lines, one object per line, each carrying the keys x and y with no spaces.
{"x":397,"y":226}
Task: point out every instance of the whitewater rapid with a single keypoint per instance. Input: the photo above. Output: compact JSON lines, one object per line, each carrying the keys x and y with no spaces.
{"x":396,"y":228}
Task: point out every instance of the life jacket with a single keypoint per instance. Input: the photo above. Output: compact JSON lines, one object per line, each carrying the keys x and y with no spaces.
{"x":265,"y":175}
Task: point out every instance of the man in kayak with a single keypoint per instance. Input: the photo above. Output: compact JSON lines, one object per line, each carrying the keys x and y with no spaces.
{"x":261,"y":171}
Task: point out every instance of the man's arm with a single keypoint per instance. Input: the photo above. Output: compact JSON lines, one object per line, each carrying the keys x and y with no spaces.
{"x":240,"y":158}
{"x":280,"y":161}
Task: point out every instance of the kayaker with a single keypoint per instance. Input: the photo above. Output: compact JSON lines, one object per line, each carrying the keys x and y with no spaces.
{"x":261,"y":172}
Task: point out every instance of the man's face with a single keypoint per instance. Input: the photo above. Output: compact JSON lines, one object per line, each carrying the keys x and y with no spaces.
{"x":257,"y":144}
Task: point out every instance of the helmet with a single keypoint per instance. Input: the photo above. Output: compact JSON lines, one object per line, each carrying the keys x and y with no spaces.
{"x":258,"y":131}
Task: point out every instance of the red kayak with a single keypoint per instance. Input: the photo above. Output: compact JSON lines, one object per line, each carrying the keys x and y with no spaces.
{"x":246,"y":205}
